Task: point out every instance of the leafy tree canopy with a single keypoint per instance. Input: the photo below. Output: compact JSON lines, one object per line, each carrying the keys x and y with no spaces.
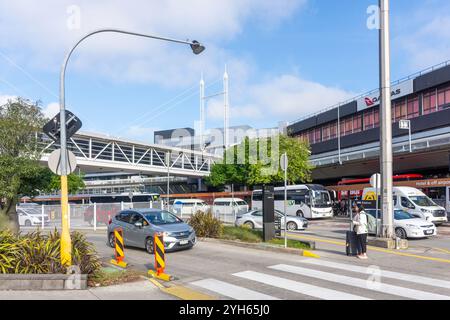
{"x":256,"y":161}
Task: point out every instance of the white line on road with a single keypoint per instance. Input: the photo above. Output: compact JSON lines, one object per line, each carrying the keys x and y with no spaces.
{"x":230,"y":290}
{"x":384,"y":273}
{"x":303,"y":288}
{"x":361,"y":283}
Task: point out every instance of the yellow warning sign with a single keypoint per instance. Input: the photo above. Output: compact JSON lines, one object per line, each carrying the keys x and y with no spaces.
{"x":370,"y":196}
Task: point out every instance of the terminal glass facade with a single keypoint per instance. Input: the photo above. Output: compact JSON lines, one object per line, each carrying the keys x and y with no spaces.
{"x":409,"y":107}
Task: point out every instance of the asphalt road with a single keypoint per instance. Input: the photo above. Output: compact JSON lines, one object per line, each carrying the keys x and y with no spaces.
{"x":224,"y":271}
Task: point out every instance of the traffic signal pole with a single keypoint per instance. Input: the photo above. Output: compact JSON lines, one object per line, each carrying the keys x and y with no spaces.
{"x":386,"y":122}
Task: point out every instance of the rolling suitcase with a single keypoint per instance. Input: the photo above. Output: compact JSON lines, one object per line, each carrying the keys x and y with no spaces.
{"x":351,"y":243}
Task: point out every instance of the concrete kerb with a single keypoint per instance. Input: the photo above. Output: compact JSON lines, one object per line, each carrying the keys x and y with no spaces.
{"x":260,"y":246}
{"x":43,"y":282}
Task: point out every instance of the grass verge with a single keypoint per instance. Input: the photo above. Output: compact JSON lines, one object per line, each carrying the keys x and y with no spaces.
{"x":256,"y":236}
{"x":108,"y":276}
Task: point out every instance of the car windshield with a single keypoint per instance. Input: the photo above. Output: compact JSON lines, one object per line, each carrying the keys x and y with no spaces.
{"x":422,"y":201}
{"x":320,"y":198}
{"x":161,"y":217}
{"x":402,"y":215}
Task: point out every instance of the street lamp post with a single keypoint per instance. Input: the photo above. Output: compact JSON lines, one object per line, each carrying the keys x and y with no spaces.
{"x":66,"y":247}
{"x":386,"y":126}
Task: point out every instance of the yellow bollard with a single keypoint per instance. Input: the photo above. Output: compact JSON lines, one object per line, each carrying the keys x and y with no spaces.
{"x":119,"y":252}
{"x":160,"y":262}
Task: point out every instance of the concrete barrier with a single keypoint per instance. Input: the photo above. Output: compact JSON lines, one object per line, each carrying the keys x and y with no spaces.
{"x":43,"y":282}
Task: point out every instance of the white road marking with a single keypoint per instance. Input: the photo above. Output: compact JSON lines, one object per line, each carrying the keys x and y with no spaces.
{"x":387,"y":274}
{"x":231,"y":290}
{"x":303,"y":288}
{"x":361,"y":283}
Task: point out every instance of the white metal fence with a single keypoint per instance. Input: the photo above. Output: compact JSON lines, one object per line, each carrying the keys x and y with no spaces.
{"x":95,"y":216}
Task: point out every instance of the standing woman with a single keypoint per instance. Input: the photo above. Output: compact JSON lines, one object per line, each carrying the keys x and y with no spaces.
{"x":361,"y":229}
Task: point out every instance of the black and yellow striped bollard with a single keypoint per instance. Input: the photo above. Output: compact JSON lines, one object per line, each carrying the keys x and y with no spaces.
{"x":119,"y":252}
{"x":160,"y":260}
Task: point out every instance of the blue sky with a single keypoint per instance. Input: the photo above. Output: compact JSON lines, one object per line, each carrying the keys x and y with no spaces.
{"x":285,"y":58}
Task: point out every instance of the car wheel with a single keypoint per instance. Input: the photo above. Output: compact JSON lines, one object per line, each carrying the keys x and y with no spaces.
{"x":300,"y":214}
{"x":111,"y":240}
{"x":28,"y":223}
{"x":249,"y":225}
{"x":291,"y":226}
{"x":401,"y":233}
{"x":149,"y":245}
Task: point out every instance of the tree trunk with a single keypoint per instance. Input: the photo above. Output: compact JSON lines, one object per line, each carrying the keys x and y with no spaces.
{"x":9,"y":213}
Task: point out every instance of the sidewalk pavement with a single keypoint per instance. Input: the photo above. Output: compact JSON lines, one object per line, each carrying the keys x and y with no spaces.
{"x":140,"y":290}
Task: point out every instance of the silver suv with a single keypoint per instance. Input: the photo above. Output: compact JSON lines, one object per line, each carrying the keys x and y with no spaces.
{"x":140,"y":225}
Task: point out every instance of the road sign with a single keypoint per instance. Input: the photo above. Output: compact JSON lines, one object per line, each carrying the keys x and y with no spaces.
{"x":284,"y":161}
{"x":404,"y":124}
{"x":375,"y":180}
{"x":54,"y":162}
{"x":53,"y":127}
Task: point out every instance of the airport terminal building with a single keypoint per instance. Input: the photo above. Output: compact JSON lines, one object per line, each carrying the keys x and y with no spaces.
{"x":344,"y":139}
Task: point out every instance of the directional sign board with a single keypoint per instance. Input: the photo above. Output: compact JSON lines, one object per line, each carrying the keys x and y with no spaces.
{"x":53,"y":127}
{"x":54,"y":162}
{"x":284,"y":162}
{"x":375,"y":180}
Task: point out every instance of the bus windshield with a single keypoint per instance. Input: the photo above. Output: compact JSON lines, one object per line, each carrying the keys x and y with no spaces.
{"x":320,"y":198}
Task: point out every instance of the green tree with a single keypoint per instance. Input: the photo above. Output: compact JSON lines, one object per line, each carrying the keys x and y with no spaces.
{"x":20,"y":173}
{"x":256,"y":161}
{"x":74,"y":183}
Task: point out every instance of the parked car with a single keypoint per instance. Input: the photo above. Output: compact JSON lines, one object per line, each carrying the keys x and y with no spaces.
{"x":140,"y":225}
{"x":31,"y":216}
{"x":406,"y":225}
{"x":187,"y":207}
{"x":254,"y":220}
{"x":229,"y":206}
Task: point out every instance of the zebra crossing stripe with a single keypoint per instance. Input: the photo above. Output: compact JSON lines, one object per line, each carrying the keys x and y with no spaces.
{"x":383,"y":273}
{"x":231,"y":290}
{"x":361,"y":283}
{"x":303,"y":288}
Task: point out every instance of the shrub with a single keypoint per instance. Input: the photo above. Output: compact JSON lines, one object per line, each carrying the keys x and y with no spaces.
{"x":206,"y":225}
{"x":40,"y":254}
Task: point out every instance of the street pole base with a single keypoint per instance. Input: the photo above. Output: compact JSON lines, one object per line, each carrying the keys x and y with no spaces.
{"x":121,"y":264}
{"x":388,"y":243}
{"x":161,"y":276}
{"x":309,"y":254}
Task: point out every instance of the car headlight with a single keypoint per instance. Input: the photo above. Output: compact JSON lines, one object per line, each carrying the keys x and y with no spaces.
{"x":412,"y":226}
{"x":166,"y":234}
{"x":425,"y":210}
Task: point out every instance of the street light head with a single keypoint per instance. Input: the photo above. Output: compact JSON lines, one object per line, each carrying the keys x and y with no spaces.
{"x":196,"y":47}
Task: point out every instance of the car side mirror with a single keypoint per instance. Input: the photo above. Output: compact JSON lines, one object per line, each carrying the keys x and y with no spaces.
{"x":138,"y":225}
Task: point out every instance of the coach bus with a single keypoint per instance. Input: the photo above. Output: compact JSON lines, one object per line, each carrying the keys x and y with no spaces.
{"x":309,"y":201}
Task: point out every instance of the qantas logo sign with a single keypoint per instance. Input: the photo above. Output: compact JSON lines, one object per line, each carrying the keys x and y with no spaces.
{"x":399,"y":90}
{"x":375,"y":100}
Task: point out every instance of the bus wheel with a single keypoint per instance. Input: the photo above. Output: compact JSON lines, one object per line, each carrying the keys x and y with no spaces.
{"x":300,"y":214}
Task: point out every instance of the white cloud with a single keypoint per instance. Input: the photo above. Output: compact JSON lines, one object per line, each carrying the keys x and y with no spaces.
{"x":140,"y":133}
{"x":4,"y":99}
{"x":51,"y":110}
{"x":284,"y":97}
{"x":124,"y":58}
{"x":429,"y":42}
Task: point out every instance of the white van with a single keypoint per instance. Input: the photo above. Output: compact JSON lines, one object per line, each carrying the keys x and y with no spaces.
{"x":188,"y":207}
{"x":415,"y":202}
{"x":229,"y":206}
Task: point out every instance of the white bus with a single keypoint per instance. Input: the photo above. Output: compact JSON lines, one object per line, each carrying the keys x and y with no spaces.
{"x":306,"y":200}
